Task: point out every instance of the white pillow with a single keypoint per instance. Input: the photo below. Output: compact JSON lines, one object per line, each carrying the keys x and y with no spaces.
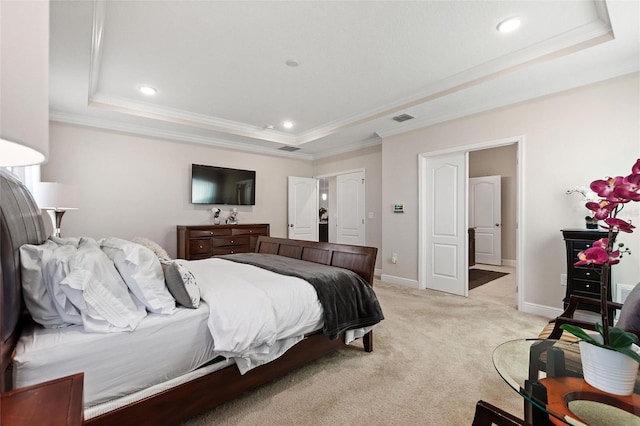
{"x":141,"y":271}
{"x":181,"y":283}
{"x":37,"y":299}
{"x":153,"y":246}
{"x":55,"y":269}
{"x":95,"y":287}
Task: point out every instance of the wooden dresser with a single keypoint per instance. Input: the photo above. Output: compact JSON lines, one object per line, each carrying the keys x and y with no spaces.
{"x":202,"y":241}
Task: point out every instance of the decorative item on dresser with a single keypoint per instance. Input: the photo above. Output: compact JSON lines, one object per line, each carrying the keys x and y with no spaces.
{"x":203,"y":241}
{"x":582,"y":280}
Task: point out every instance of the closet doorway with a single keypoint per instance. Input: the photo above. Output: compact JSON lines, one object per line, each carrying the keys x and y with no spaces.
{"x":341,"y":203}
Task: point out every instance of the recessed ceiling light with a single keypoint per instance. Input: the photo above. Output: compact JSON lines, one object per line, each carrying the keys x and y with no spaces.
{"x":147,"y":90}
{"x":509,"y":25}
{"x":287,"y":124}
{"x":292,"y":62}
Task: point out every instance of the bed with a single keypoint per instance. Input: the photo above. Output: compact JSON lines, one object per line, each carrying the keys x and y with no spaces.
{"x":215,"y":380}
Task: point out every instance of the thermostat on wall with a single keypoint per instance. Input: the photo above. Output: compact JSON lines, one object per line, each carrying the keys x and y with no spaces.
{"x":398,"y":208}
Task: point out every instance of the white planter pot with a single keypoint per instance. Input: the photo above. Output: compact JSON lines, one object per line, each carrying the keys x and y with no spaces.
{"x":608,"y":370}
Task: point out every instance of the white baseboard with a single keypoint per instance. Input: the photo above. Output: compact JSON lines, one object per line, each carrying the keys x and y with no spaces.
{"x":541,"y":310}
{"x":399,"y":281}
{"x":377,"y":272}
{"x":509,"y":262}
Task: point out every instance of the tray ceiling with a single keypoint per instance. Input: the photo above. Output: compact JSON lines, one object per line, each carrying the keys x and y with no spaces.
{"x":221,"y":72}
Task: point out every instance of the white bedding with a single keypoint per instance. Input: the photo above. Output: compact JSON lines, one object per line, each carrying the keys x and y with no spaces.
{"x":115,"y":364}
{"x":275,"y":313}
{"x":274,"y":316}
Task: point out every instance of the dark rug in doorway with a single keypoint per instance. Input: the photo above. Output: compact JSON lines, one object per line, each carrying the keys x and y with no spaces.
{"x":478,"y":277}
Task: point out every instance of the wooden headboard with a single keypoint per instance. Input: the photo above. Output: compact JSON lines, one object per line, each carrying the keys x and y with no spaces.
{"x":20,"y":223}
{"x":359,"y":259}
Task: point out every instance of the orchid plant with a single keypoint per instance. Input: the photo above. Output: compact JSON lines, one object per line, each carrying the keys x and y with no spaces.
{"x":614,"y":193}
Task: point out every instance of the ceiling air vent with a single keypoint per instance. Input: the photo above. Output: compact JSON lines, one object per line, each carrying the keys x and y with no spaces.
{"x":403,"y":117}
{"x":288,"y":148}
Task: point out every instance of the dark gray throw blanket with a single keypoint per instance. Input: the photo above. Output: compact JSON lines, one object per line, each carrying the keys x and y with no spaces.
{"x":347,"y":300}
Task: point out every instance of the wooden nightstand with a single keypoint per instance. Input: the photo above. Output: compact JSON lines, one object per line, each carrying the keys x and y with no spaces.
{"x":55,"y":403}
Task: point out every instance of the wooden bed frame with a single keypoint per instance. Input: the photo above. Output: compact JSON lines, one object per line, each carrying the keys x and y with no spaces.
{"x":21,"y":223}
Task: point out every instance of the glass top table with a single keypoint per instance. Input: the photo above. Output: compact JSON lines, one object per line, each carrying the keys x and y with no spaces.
{"x":548,"y":374}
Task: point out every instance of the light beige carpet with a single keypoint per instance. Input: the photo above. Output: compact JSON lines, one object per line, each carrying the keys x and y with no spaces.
{"x":431,"y":364}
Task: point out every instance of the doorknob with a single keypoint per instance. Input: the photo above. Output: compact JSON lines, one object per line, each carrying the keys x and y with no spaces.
{"x":497,"y":224}
{"x":291,"y":225}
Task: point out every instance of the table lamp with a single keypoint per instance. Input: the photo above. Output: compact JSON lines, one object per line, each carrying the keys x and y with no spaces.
{"x":56,"y":198}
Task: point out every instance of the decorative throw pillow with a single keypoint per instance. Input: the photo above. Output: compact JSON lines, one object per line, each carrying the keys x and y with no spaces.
{"x":153,"y":246}
{"x":141,"y":271}
{"x":181,"y":283}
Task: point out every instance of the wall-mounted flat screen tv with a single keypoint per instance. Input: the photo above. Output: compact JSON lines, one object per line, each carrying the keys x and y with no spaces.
{"x":220,"y":185}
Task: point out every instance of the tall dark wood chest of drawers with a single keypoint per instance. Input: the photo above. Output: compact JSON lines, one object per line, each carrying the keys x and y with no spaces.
{"x":583,"y":280}
{"x":202,"y":241}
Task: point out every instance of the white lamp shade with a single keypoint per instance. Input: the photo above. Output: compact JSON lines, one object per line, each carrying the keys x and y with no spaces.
{"x":55,"y":196}
{"x":24,"y":79}
{"x":14,"y":154}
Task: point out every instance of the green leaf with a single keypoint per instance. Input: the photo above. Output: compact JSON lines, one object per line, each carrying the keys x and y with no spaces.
{"x":579,"y":333}
{"x":620,"y":339}
{"x":629,"y":352}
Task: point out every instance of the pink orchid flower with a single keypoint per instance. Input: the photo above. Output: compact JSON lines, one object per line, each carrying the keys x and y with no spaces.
{"x":605,"y":187}
{"x":601,"y":209}
{"x":592,"y":255}
{"x":619,"y":224}
{"x":629,"y":188}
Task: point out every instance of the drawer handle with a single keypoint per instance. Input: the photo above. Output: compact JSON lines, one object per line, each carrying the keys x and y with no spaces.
{"x":588,"y":274}
{"x":588,"y":285}
{"x":231,"y":251}
{"x":250,"y":231}
{"x":200,"y":246}
{"x":231,"y":241}
{"x":210,"y":232}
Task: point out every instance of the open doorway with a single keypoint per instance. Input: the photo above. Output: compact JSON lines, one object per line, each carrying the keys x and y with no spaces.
{"x":428,"y":257}
{"x":341,"y":201}
{"x":492,"y":266}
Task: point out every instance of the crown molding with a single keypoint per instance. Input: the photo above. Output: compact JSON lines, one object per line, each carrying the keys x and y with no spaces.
{"x":79,"y":120}
{"x":172,"y":115}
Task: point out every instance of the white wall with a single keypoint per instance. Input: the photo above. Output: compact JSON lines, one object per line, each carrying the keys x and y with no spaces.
{"x":139,"y":186}
{"x":571,"y":139}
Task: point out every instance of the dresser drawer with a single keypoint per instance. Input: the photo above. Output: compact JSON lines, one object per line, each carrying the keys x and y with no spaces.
{"x":585,"y":286}
{"x":201,"y":233}
{"x":259,"y":230}
{"x":200,"y":246}
{"x":233,"y":240}
{"x":586,"y":273}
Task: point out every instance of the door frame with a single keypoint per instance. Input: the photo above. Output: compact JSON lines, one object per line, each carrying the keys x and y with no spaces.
{"x":422,"y":207}
{"x":364,"y":207}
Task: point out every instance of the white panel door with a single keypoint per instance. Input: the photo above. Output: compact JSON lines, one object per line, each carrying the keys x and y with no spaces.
{"x":485,"y":215}
{"x":303,"y":208}
{"x":350,"y":221}
{"x":446,"y":229}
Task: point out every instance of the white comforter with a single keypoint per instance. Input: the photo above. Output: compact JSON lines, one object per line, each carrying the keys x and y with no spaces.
{"x":275,"y":310}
